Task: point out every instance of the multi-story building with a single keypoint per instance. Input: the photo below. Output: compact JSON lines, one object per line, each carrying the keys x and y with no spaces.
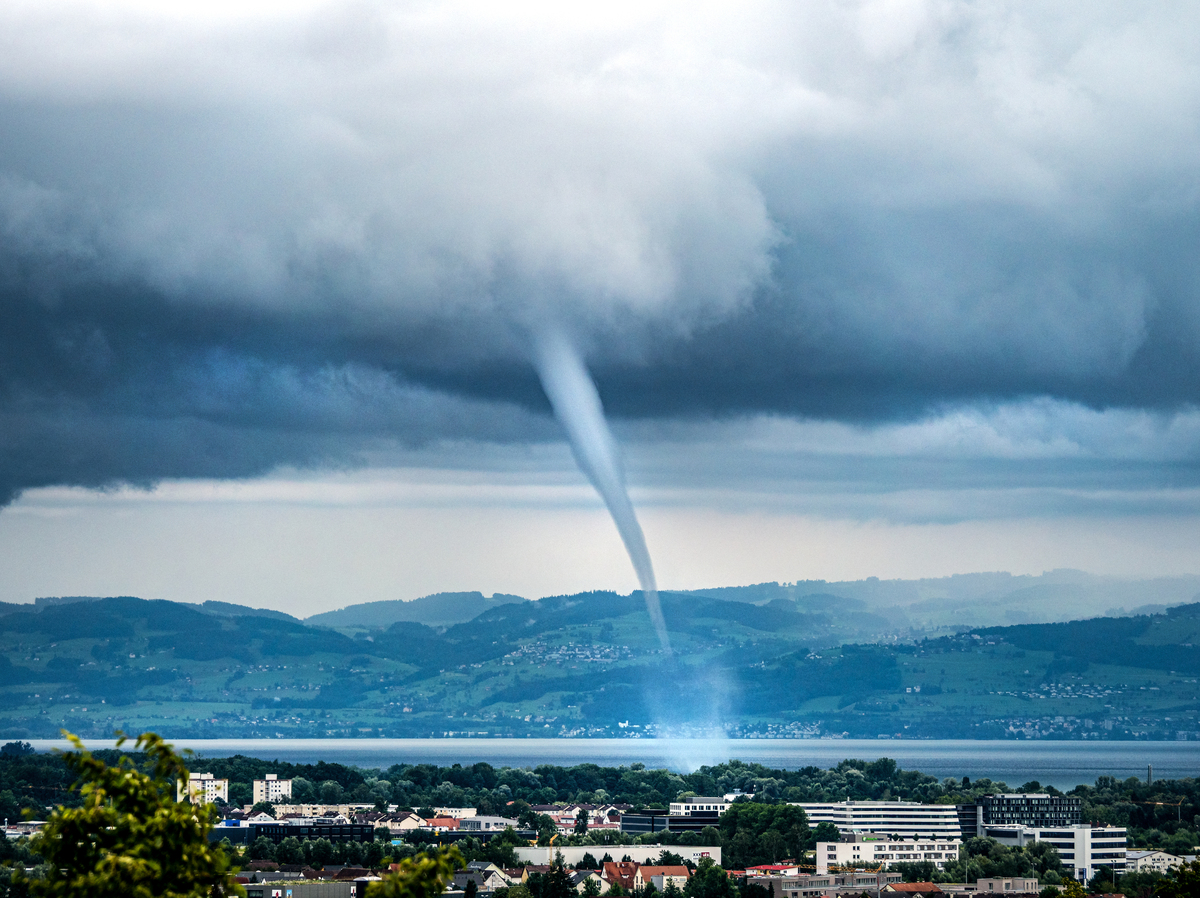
{"x":1038,"y":810}
{"x":700,"y":804}
{"x":1083,"y":849}
{"x":202,"y":788}
{"x":819,"y":885}
{"x":335,"y":830}
{"x":894,"y":818}
{"x":272,"y":789}
{"x":878,"y":851}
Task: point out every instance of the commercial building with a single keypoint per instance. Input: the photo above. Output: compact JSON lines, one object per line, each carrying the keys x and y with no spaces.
{"x":315,"y":828}
{"x":700,"y":804}
{"x":809,"y":885}
{"x":1083,"y":849}
{"x":874,"y":851}
{"x":272,"y":789}
{"x":894,"y":818}
{"x":202,"y":788}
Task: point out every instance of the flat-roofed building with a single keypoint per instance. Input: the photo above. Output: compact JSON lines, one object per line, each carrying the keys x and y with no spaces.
{"x":202,"y":788}
{"x":872,"y":851}
{"x":1151,"y":861}
{"x":1039,"y":809}
{"x":272,"y":789}
{"x":700,"y":804}
{"x":897,"y":818}
{"x":1083,"y":849}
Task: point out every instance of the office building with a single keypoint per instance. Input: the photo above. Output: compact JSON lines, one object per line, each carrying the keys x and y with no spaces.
{"x":893,"y":818}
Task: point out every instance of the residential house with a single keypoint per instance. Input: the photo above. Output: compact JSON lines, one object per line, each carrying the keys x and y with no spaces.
{"x":442,"y":824}
{"x":621,"y":872}
{"x":911,"y":888}
{"x":484,"y":824}
{"x":660,"y":876}
{"x":580,"y":878}
{"x":1151,"y":861}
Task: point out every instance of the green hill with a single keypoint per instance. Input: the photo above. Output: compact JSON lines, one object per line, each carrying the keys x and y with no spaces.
{"x":590,"y":664}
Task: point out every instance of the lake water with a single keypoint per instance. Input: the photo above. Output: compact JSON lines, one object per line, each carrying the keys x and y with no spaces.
{"x":1060,"y":764}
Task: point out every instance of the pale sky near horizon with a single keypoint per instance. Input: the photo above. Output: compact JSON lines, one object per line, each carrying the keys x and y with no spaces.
{"x":891,"y":288}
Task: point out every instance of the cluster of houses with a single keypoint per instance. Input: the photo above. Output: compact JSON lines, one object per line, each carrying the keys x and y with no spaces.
{"x":269,"y":881}
{"x":874,"y":835}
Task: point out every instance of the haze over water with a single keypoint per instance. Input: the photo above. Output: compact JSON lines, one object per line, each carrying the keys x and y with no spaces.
{"x":1062,"y":764}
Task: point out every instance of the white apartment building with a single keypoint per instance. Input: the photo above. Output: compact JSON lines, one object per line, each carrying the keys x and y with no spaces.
{"x":202,"y":788}
{"x":704,"y":804}
{"x":272,"y":789}
{"x":893,"y":818}
{"x":870,"y":851}
{"x":456,"y":813}
{"x":1083,"y":849}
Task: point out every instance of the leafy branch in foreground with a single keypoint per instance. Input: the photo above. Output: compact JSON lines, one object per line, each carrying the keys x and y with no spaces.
{"x":423,"y":876}
{"x":130,"y":838}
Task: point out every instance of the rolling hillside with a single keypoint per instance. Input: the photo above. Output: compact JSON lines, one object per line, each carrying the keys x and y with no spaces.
{"x":590,"y":664}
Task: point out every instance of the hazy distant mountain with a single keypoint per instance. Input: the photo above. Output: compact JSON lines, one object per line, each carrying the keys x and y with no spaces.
{"x":979,"y":600}
{"x":229,"y":609}
{"x":441,"y":609}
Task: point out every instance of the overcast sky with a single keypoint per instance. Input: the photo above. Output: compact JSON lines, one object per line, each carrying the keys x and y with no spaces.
{"x":892,"y":288}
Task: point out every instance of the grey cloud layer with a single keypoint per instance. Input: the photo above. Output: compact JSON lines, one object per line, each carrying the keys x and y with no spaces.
{"x":230,"y":243}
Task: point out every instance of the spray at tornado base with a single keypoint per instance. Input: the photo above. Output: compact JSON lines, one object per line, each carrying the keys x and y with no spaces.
{"x":577,"y":406}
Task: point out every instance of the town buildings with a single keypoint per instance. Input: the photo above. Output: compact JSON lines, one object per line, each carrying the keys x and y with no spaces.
{"x":873,"y":851}
{"x":202,"y":788}
{"x":1038,"y":809}
{"x":699,"y":804}
{"x":272,"y":789}
{"x":895,"y":818}
{"x":1083,"y":849}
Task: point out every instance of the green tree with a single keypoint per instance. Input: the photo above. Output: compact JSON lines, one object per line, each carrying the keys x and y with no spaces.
{"x":826,"y":832}
{"x":129,"y":837}
{"x":591,"y":887}
{"x":581,"y":823}
{"x":471,"y":889}
{"x":710,"y":881}
{"x":1073,"y":889}
{"x":423,"y":876}
{"x":1183,"y":882}
{"x":262,"y":849}
{"x":289,"y":851}
{"x":263,"y":807}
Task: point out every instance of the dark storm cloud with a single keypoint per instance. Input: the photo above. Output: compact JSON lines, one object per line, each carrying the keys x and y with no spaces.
{"x":227,"y":245}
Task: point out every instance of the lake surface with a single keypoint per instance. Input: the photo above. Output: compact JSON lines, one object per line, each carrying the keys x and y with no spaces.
{"x":1060,"y":764}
